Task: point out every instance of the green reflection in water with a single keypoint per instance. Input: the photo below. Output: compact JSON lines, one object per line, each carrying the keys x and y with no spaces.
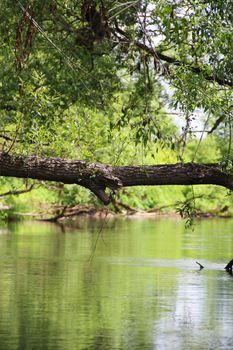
{"x":141,"y":290}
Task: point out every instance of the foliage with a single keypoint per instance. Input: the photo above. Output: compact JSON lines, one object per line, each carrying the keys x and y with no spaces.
{"x":100,"y":81}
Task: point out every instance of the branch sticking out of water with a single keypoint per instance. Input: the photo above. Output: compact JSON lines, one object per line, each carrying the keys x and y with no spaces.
{"x":201,"y":266}
{"x":229,"y":266}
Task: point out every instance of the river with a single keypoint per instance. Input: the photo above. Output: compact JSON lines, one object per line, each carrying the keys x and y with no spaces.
{"x":118,"y":284}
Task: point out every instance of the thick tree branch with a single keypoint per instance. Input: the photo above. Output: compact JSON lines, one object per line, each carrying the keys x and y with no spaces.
{"x":94,"y":176}
{"x":174,"y":174}
{"x":97,"y":177}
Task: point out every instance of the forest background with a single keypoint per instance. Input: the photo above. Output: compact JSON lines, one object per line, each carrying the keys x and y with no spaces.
{"x":120,"y":83}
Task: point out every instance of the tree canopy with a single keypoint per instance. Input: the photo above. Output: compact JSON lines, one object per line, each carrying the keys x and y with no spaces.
{"x":104,"y":81}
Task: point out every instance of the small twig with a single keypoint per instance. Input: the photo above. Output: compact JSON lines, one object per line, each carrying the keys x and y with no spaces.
{"x":7,"y":138}
{"x":98,"y":236}
{"x":17,"y":192}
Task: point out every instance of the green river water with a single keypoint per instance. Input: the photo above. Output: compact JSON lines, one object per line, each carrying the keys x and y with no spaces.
{"x":138,"y":288}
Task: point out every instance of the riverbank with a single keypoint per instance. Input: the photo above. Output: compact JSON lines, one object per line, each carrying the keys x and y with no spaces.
{"x":59,"y":203}
{"x":59,"y":213}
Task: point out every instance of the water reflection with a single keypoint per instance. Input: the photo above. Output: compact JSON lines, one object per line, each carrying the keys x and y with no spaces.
{"x":201,"y":313}
{"x":141,"y":290}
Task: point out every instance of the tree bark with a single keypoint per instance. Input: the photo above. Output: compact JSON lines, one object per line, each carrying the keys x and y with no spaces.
{"x":97,"y":177}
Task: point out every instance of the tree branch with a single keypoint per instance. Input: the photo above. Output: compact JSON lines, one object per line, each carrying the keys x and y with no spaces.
{"x":217,"y":123}
{"x":170,"y":60}
{"x":229,"y":266}
{"x":17,"y":192}
{"x":97,"y":177}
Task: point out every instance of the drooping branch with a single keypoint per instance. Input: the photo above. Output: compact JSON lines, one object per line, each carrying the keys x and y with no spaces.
{"x":97,"y":177}
{"x":171,"y":60}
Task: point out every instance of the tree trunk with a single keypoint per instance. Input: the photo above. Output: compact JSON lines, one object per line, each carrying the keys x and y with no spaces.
{"x":97,"y":177}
